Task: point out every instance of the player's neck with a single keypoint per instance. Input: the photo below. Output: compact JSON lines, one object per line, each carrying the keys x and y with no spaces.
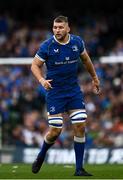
{"x":64,"y":41}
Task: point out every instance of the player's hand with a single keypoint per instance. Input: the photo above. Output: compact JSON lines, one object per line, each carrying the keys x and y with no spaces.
{"x":46,"y":83}
{"x":96,"y":85}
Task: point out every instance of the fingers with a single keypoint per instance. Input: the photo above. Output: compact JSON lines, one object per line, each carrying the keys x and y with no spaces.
{"x":96,"y":90}
{"x":50,"y":80}
{"x":47,"y":84}
{"x":96,"y":87}
{"x":96,"y":82}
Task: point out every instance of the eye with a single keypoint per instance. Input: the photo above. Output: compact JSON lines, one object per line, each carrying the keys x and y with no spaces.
{"x":54,"y":27}
{"x":61,"y":27}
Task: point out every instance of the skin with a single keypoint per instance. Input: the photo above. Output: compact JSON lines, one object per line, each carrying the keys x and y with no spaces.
{"x":61,"y":31}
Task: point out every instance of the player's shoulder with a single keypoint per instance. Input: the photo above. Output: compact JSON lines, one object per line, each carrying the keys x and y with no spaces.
{"x":78,"y":41}
{"x":47,"y":42}
{"x":76,"y":38}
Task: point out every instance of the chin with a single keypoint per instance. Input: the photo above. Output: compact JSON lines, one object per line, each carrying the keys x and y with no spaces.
{"x":59,"y":37}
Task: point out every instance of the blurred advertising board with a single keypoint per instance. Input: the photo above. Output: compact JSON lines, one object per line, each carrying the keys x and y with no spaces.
{"x":64,"y":156}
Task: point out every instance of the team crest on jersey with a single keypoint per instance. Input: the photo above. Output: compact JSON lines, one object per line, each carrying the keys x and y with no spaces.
{"x":75,"y":48}
{"x":52,"y":109}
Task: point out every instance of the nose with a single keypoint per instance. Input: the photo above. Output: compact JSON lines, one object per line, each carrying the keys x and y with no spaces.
{"x":57,"y":29}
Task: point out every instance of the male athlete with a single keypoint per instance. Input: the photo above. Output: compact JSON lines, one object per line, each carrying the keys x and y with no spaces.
{"x":61,"y":54}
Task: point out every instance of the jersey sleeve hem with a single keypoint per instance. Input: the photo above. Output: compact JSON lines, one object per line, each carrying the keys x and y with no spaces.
{"x":83,"y":51}
{"x":41,"y":59}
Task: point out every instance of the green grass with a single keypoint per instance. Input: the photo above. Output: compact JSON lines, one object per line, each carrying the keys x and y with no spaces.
{"x":23,"y":171}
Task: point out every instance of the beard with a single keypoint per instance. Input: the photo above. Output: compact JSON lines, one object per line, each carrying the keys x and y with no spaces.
{"x":61,"y":37}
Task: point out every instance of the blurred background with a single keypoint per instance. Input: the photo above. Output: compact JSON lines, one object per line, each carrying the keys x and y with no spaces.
{"x":23,"y":26}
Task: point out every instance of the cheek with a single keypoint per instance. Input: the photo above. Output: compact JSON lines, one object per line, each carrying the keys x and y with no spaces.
{"x":54,"y":31}
{"x":63,"y":31}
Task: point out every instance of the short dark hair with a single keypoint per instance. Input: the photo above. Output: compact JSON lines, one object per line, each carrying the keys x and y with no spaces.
{"x":60,"y":19}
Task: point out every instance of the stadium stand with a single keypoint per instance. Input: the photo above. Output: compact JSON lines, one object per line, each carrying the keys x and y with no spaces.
{"x":22,"y":99}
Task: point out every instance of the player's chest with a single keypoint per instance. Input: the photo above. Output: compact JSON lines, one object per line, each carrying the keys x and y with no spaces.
{"x":61,"y":53}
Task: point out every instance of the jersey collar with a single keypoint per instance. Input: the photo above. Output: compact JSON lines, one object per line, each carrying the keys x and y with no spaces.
{"x":60,"y":42}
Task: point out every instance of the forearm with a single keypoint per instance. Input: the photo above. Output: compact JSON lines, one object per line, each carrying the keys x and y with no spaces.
{"x":89,"y":66}
{"x":37,"y":72}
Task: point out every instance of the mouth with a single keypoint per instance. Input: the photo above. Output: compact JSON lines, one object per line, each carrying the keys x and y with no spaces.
{"x":58,"y":36}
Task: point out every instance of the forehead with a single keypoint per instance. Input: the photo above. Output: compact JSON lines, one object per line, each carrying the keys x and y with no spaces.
{"x":59,"y":24}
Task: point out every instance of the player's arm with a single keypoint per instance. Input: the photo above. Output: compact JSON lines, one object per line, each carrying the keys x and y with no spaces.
{"x":37,"y":70}
{"x":90,"y":68}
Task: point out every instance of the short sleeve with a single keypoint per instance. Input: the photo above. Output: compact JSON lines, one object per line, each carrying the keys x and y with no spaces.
{"x":42,"y":52}
{"x":82,"y":45}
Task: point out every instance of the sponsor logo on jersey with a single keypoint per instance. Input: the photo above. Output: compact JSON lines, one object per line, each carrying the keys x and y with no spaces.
{"x":56,"y":50}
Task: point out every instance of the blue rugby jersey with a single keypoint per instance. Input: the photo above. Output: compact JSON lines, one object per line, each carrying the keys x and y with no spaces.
{"x":62,"y":60}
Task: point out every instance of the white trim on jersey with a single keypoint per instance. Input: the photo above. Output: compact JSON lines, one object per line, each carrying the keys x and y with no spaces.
{"x":41,"y":59}
{"x":83,"y":51}
{"x":60,"y":42}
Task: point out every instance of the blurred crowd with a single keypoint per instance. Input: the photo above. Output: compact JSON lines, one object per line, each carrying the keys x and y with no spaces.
{"x":22,"y":98}
{"x":102,"y":36}
{"x":23,"y":108}
{"x":105,"y":112}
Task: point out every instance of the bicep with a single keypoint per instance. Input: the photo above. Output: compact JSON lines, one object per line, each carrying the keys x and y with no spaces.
{"x":37,"y":62}
{"x":84,"y":55}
